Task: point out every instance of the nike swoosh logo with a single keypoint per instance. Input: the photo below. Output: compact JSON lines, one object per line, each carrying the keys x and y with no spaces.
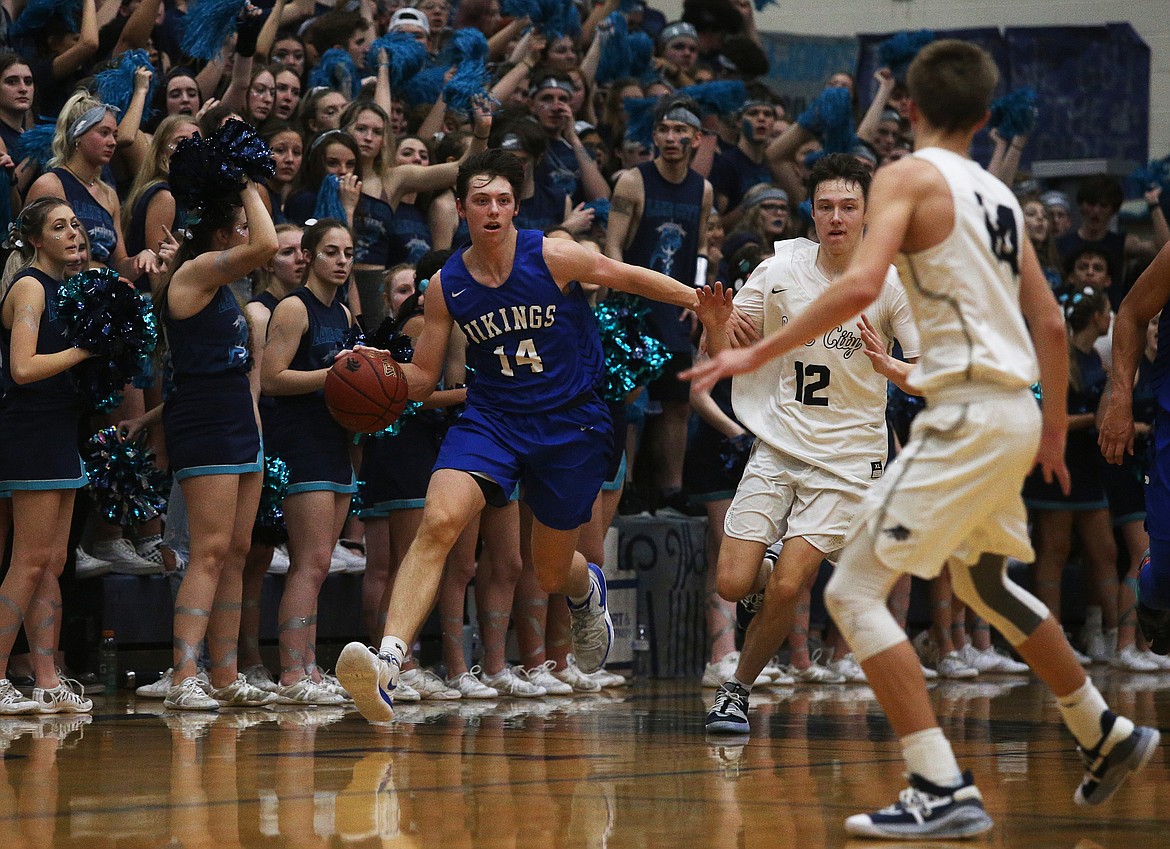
{"x":385,"y":696}
{"x":778,"y":291}
{"x":457,"y":294}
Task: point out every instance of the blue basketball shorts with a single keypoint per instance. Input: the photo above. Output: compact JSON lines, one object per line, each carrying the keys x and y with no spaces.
{"x":559,"y":458}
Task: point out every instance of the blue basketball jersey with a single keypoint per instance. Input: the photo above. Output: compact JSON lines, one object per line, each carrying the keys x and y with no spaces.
{"x":531,"y":347}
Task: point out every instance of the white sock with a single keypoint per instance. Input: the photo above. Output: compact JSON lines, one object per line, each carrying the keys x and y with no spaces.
{"x":1082,"y":711}
{"x":394,"y":647}
{"x":928,"y":754}
{"x":736,"y":680}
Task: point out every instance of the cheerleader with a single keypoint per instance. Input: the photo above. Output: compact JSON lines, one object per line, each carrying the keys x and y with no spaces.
{"x":307,"y":332}
{"x":39,"y":462}
{"x":213,"y":437}
{"x":281,"y":276}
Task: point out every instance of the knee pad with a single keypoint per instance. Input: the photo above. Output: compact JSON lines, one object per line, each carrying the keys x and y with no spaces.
{"x":856,"y":599}
{"x":1007,"y":607}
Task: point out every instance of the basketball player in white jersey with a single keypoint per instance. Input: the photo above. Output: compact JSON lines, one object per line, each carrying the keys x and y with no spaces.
{"x":818,"y":414}
{"x":953,"y":495}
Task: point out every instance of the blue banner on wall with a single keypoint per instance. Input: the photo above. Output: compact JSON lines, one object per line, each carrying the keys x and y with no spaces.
{"x":799,"y":65}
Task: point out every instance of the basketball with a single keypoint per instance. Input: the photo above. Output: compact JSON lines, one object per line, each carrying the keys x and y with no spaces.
{"x":365,"y":391}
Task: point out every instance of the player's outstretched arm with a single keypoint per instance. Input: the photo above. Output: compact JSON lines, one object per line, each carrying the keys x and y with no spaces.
{"x":1149,"y":294}
{"x":430,"y":352}
{"x":569,"y":261}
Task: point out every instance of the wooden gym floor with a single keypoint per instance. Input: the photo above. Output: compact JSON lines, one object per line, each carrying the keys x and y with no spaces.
{"x":629,"y":768}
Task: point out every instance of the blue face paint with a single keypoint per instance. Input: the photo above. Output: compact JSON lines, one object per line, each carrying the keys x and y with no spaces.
{"x":747,"y":129}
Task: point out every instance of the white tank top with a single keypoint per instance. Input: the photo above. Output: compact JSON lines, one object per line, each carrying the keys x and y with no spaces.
{"x":965,"y":291}
{"x":822,"y":403}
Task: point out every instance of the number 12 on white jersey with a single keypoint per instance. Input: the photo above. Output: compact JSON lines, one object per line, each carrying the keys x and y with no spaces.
{"x":526,"y":355}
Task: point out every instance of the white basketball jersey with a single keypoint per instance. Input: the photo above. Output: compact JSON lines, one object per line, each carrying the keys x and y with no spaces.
{"x":965,"y":291}
{"x":823,"y":402}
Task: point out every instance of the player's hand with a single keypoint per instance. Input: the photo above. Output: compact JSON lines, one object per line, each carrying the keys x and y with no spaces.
{"x":1050,"y":458}
{"x":714,"y":305}
{"x":1115,"y":432}
{"x":733,"y":361}
{"x":740,"y":330}
{"x":875,"y":349}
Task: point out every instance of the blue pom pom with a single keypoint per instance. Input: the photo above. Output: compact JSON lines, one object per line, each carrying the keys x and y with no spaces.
{"x":898,"y":51}
{"x":721,"y":97}
{"x":104,"y":314}
{"x":115,"y":86}
{"x":36,"y":144}
{"x":6,"y":216}
{"x":552,"y":18}
{"x":1014,"y":114}
{"x":633,"y":357}
{"x":126,"y":485}
{"x":640,"y":119}
{"x":641,"y":47}
{"x":270,"y":528}
{"x":471,"y":80}
{"x":337,"y":71}
{"x":465,"y":44}
{"x":830,"y":117}
{"x":519,"y":8}
{"x":329,"y":199}
{"x":763,"y":4}
{"x":1156,"y":173}
{"x":614,"y":62}
{"x":406,"y":55}
{"x":425,"y":86}
{"x":37,"y":13}
{"x":600,"y":209}
{"x":208,"y":25}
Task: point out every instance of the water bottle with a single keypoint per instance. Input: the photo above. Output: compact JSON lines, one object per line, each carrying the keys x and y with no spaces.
{"x":641,"y":651}
{"x":108,"y":662}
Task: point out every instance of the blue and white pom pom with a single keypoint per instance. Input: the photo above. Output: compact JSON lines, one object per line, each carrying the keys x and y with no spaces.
{"x":207,"y":25}
{"x":126,"y":485}
{"x":337,"y":71}
{"x":404,"y":53}
{"x":115,"y":86}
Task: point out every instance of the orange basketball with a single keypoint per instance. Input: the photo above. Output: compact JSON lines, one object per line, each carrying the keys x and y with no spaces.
{"x":365,"y":391}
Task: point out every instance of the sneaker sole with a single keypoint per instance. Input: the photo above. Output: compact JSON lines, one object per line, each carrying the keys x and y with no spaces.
{"x":357,"y":670}
{"x":1142,"y":751}
{"x":728,"y":726}
{"x":964,"y":822}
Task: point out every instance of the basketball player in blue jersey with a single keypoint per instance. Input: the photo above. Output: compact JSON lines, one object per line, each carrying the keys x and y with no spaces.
{"x":533,"y":415}
{"x":953,"y":495}
{"x":1149,"y":296}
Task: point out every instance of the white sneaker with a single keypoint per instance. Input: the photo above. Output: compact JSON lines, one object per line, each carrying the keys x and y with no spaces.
{"x":606,"y":678}
{"x":991,"y":661}
{"x":724,"y":669}
{"x":592,"y":628}
{"x":470,"y":687}
{"x":306,"y":691}
{"x":1082,"y":659}
{"x":356,"y":559}
{"x":1129,"y":659}
{"x":951,"y":666}
{"x":543,"y":677}
{"x":1098,"y":645}
{"x":428,"y":685}
{"x":928,"y":673}
{"x":88,"y":566}
{"x":406,"y":693}
{"x":12,"y":702}
{"x":280,"y":561}
{"x":1162,"y":661}
{"x":159,"y":689}
{"x":240,"y":693}
{"x":189,"y":694}
{"x":344,"y":560}
{"x":509,"y":682}
{"x":123,"y":559}
{"x":849,"y":669}
{"x":260,"y":678}
{"x":576,"y":680}
{"x":370,"y":679}
{"x":816,"y":673}
{"x":66,"y":697}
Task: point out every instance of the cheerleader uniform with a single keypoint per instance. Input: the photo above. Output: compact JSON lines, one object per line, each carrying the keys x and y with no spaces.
{"x":95,"y":218}
{"x":1086,"y":466}
{"x":1125,"y":484}
{"x":209,"y":419}
{"x":396,"y":469}
{"x":40,"y":420}
{"x":411,"y":235}
{"x":305,"y":435}
{"x":373,"y":223}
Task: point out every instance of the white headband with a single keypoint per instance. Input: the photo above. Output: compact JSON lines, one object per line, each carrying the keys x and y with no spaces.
{"x":89,"y":120}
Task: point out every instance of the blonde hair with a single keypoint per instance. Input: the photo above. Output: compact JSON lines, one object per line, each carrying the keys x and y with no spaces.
{"x":64,"y":146}
{"x":156,"y":167}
